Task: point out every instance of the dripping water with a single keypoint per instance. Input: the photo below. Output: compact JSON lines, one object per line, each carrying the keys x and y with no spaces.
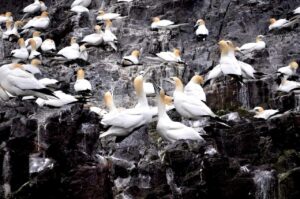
{"x":265,"y":184}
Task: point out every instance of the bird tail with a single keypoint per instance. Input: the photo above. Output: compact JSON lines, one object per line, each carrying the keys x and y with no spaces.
{"x":221,"y":122}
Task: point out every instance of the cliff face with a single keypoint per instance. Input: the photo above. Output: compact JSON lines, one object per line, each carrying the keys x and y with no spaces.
{"x":255,"y":159}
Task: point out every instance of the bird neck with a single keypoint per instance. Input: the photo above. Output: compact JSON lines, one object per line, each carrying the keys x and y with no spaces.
{"x":161,"y":109}
{"x":142,"y":100}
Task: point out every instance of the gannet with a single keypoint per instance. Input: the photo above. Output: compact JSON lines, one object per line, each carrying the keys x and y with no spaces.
{"x":21,"y":53}
{"x":80,"y":9}
{"x":8,"y":30}
{"x":70,"y":52}
{"x":3,"y":95}
{"x":43,"y":6}
{"x":48,"y":81}
{"x":82,"y":85}
{"x":194,"y":88}
{"x":39,"y":22}
{"x":297,"y":11}
{"x":33,"y":53}
{"x":148,"y":86}
{"x":228,"y":62}
{"x":83,"y":53}
{"x":186,"y":105}
{"x":33,"y":67}
{"x":36,"y":37}
{"x":288,"y":86}
{"x":102,"y":16}
{"x":15,"y":80}
{"x":251,"y":47}
{"x":84,"y":3}
{"x":201,"y":31}
{"x":248,"y":72}
{"x":132,"y":59}
{"x":213,"y":75}
{"x":33,"y":8}
{"x":281,"y":23}
{"x":157,"y":23}
{"x":109,"y":37}
{"x":61,"y":99}
{"x":6,"y":17}
{"x":48,"y":45}
{"x":124,"y":122}
{"x":170,"y":130}
{"x":11,"y":32}
{"x":124,"y":0}
{"x":264,"y":114}
{"x":289,"y":70}
{"x":94,"y":39}
{"x":170,"y":56}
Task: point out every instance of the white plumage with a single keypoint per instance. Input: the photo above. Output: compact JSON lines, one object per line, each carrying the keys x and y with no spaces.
{"x":214,"y":74}
{"x":251,"y":47}
{"x":40,"y":22}
{"x":21,"y":53}
{"x":124,"y":122}
{"x":157,"y":23}
{"x":48,"y":45}
{"x":82,"y":84}
{"x":60,"y":100}
{"x":80,"y":9}
{"x":94,"y":39}
{"x":287,"y":86}
{"x":33,"y":8}
{"x":107,"y":16}
{"x":194,"y":88}
{"x":264,"y":114}
{"x":289,"y":70}
{"x":170,"y":130}
{"x":84,"y":3}
{"x":170,"y":56}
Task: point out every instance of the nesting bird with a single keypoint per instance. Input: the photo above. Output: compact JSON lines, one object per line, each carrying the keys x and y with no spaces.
{"x":132,"y":59}
{"x":12,"y":32}
{"x":124,"y":122}
{"x":170,"y":130}
{"x":82,"y":85}
{"x":80,"y":9}
{"x":289,"y":70}
{"x":36,"y":36}
{"x":61,"y":99}
{"x":36,"y":6}
{"x":34,"y":53}
{"x":202,"y":31}
{"x":20,"y":54}
{"x":260,"y":113}
{"x":48,"y":45}
{"x":170,"y":56}
{"x":159,"y":24}
{"x":251,"y":47}
{"x":70,"y":52}
{"x":103,"y":16}
{"x":281,"y":23}
{"x":6,"y":17}
{"x":15,"y":80}
{"x":287,"y":86}
{"x":94,"y":39}
{"x":39,"y":22}
{"x":109,"y":37}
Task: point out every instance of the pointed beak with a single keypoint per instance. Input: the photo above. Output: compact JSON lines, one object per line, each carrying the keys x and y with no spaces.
{"x":196,"y":25}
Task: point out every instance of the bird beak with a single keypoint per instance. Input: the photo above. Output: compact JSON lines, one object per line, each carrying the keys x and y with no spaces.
{"x":251,"y":111}
{"x":196,"y":25}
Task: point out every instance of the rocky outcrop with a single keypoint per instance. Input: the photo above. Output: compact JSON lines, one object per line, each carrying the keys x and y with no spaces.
{"x":253,"y":159}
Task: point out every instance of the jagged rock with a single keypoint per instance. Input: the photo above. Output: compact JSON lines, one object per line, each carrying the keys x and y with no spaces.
{"x":141,"y":165}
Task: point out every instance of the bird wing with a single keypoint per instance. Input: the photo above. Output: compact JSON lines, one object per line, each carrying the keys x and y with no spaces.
{"x":247,"y":70}
{"x":23,"y":80}
{"x":285,"y":70}
{"x":164,"y":23}
{"x":215,"y":72}
{"x":82,"y":85}
{"x":192,"y":89}
{"x":129,"y":118}
{"x":32,"y":69}
{"x":229,"y":65}
{"x":3,"y":95}
{"x":168,"y":56}
{"x":248,"y":47}
{"x":196,"y":107}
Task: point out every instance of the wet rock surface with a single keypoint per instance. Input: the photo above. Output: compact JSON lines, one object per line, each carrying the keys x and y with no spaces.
{"x":253,"y":159}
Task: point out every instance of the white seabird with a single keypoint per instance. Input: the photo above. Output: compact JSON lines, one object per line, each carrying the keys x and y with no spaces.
{"x":170,"y":130}
{"x":48,"y":45}
{"x":21,"y":53}
{"x":81,"y":84}
{"x":36,"y":37}
{"x":94,"y":39}
{"x":202,"y":31}
{"x":132,"y":59}
{"x":170,"y":56}
{"x":289,"y":70}
{"x":39,"y":22}
{"x":251,"y":47}
{"x":158,"y":24}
